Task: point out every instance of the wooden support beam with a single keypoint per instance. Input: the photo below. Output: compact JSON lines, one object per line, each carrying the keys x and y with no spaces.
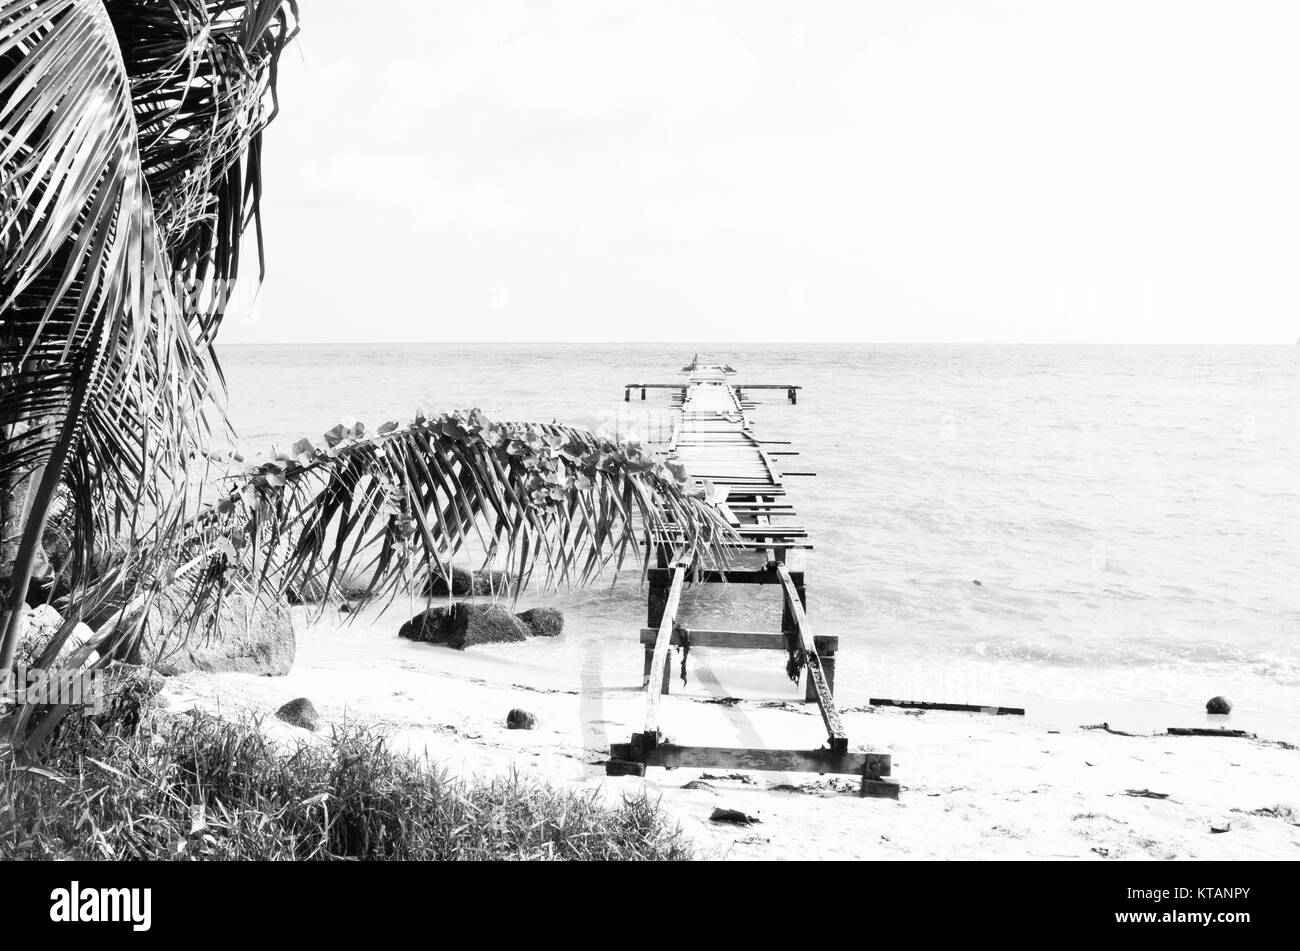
{"x":957,"y":707}
{"x":879,"y":788}
{"x":663,"y":578}
{"x":672,"y":756}
{"x":657,"y":596}
{"x":752,"y":530}
{"x":769,"y":546}
{"x":739,"y":640}
{"x":654,"y":679}
{"x":649,"y":662}
{"x":828,"y":668}
{"x":825,"y":702}
{"x":788,"y":625}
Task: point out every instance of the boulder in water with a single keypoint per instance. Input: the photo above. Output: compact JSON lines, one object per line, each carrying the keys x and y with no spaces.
{"x":464,"y":625}
{"x":543,"y":622}
{"x":465,"y":583}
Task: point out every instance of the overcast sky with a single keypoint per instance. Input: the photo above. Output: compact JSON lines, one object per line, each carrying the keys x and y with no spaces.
{"x":860,"y":171}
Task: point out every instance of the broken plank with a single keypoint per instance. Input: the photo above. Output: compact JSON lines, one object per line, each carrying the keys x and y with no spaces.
{"x":957,"y":707}
{"x":825,"y":702}
{"x":672,"y":756}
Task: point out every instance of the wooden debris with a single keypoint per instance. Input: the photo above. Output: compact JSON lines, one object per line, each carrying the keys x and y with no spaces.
{"x":672,"y":756}
{"x":879,"y":789}
{"x":1105,"y":728}
{"x":957,"y":707}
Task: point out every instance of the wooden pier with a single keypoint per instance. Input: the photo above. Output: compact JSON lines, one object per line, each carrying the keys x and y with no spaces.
{"x":712,"y":438}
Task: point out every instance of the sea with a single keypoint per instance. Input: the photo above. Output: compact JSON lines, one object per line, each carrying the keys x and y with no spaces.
{"x":997,"y":525}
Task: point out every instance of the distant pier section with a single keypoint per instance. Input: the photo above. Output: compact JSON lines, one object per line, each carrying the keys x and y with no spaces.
{"x":791,"y":390}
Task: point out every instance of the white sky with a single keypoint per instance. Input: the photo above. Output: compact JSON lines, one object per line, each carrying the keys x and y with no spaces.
{"x":1096,"y":171}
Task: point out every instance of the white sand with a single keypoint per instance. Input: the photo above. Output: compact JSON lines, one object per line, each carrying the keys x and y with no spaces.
{"x":973,"y":786}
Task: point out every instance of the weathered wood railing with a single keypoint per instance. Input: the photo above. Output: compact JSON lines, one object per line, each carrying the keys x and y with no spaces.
{"x":658,"y":662}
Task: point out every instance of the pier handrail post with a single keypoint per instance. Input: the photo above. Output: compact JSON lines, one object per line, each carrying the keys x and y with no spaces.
{"x":654,"y":680}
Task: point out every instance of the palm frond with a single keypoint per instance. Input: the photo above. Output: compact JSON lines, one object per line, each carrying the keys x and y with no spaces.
{"x":390,"y":510}
{"x":101,"y":358}
{"x":203,"y":80}
{"x":81,"y":259}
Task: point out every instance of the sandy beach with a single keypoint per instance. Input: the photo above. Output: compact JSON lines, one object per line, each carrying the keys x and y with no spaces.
{"x":973,"y":786}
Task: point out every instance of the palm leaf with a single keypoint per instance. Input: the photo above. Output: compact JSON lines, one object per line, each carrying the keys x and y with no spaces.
{"x":390,"y":510}
{"x":129,"y":137}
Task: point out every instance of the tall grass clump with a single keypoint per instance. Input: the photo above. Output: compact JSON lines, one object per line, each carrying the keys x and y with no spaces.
{"x":200,"y":787}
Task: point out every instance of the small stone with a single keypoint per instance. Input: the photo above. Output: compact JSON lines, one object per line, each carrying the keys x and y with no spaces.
{"x":300,"y":712}
{"x":518,"y":719}
{"x":733,"y":816}
{"x":977,"y":582}
{"x":1218,"y":705}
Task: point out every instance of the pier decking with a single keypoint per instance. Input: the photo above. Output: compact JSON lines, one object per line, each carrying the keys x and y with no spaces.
{"x":713,"y":440}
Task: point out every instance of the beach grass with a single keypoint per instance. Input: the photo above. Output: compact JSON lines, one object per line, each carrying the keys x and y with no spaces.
{"x":131,"y":785}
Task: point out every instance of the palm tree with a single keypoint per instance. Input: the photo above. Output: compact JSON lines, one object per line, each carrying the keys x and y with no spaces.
{"x":130,"y":168}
